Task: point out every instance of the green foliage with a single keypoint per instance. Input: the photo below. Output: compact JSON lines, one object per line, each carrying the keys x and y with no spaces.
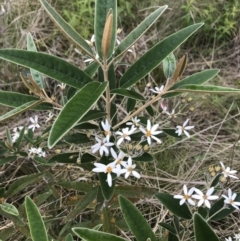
{"x":221,"y":19}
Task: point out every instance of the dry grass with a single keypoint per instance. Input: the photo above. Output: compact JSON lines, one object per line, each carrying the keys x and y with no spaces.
{"x":215,"y":139}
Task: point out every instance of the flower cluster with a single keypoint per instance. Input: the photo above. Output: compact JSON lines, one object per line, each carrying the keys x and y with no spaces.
{"x":16,"y":133}
{"x":34,"y":123}
{"x":116,"y":140}
{"x":36,"y":151}
{"x":204,"y":198}
{"x":118,"y":166}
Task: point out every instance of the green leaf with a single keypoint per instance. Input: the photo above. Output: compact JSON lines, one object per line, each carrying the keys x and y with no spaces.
{"x":203,"y":212}
{"x":78,"y":186}
{"x":156,"y":55}
{"x":14,"y":99}
{"x":65,"y":158}
{"x":135,"y":221}
{"x":173,"y":205}
{"x":20,"y":109}
{"x":128,"y":93}
{"x":219,"y":204}
{"x":37,"y":228}
{"x":135,"y":191}
{"x":102,"y":8}
{"x":91,"y":69}
{"x":107,"y":191}
{"x":66,"y":29}
{"x":197,"y":78}
{"x":145,"y":157}
{"x":88,"y":198}
{"x":108,"y":220}
{"x":74,"y":110}
{"x":202,"y":230}
{"x":215,"y":180}
{"x":37,"y":77}
{"x":169,"y":65}
{"x":169,"y":227}
{"x":139,"y":31}
{"x":171,"y":132}
{"x":69,"y":237}
{"x":49,"y":65}
{"x":77,"y":138}
{"x":21,"y":134}
{"x":94,"y":235}
{"x":7,"y":159}
{"x":86,"y":157}
{"x":21,"y":183}
{"x":92,"y":115}
{"x":9,"y":137}
{"x":207,"y":89}
{"x":9,"y":208}
{"x":131,"y":103}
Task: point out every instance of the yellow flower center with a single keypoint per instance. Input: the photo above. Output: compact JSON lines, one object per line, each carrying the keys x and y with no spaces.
{"x":186,"y":197}
{"x":118,"y":161}
{"x":148,"y":133}
{"x":129,"y":169}
{"x":109,"y":169}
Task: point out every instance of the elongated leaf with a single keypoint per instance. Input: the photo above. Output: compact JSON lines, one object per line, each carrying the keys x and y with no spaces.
{"x":169,"y":227}
{"x":66,"y":29}
{"x":139,"y":31}
{"x":108,"y":221}
{"x":218,"y":205}
{"x":169,"y":65}
{"x":156,"y":55}
{"x":94,"y":235}
{"x":202,"y":230}
{"x":145,"y":157}
{"x":9,"y":208}
{"x":128,"y":93}
{"x":65,"y":158}
{"x":197,"y":78}
{"x":21,"y":183}
{"x":74,"y":110}
{"x":88,"y":198}
{"x":7,"y":159}
{"x":37,"y":227}
{"x":20,"y":109}
{"x":173,"y":205}
{"x":78,"y":186}
{"x":92,"y":115}
{"x":14,"y":99}
{"x":49,"y":65}
{"x":91,"y":69}
{"x":37,"y":77}
{"x":171,"y":132}
{"x":19,"y":140}
{"x":102,"y":8}
{"x":135,"y":221}
{"x":77,"y":138}
{"x":207,"y":89}
{"x":69,"y":237}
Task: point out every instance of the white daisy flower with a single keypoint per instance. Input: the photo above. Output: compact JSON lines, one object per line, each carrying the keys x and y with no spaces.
{"x":34,"y":123}
{"x":129,"y":169}
{"x":40,"y":152}
{"x":99,"y":167}
{"x":101,"y":146}
{"x":158,"y":90}
{"x":134,"y":123}
{"x":183,"y":129}
{"x":150,"y":132}
{"x":118,"y":159}
{"x":107,"y":129}
{"x":186,"y":196}
{"x":227,"y":172}
{"x":228,"y":239}
{"x":125,"y":135}
{"x":204,"y":198}
{"x":230,"y":199}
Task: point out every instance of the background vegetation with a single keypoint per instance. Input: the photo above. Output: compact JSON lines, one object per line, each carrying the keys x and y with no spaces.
{"x":216,"y":118}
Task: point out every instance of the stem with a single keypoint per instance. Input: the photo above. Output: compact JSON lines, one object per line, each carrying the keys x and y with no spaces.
{"x":215,"y":213}
{"x":108,"y":101}
{"x":140,"y":109}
